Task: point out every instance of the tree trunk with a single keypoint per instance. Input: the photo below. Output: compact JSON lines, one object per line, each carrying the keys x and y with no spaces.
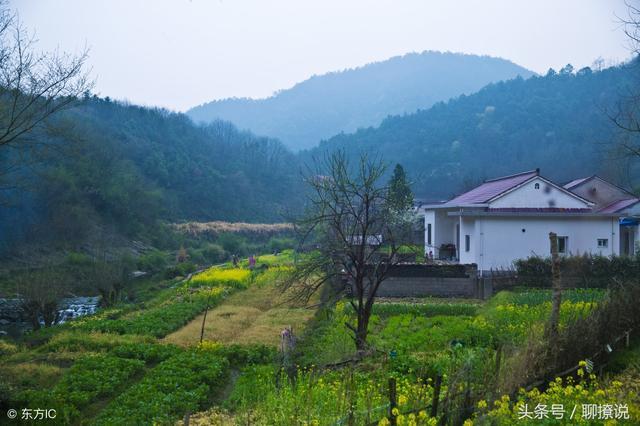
{"x":362,"y":329}
{"x":49,"y":313}
{"x":32,"y":311}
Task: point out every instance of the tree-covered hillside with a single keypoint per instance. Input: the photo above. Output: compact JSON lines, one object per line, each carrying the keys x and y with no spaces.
{"x":559,"y":122}
{"x":129,"y":167}
{"x":325,"y":105}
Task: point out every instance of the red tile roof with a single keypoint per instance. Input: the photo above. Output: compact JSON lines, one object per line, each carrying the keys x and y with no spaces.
{"x":539,"y":210}
{"x":491,"y":188}
{"x":616,"y":206}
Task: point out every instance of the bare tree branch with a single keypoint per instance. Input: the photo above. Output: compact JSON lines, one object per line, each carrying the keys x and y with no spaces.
{"x":33,"y":87}
{"x":355,"y":236}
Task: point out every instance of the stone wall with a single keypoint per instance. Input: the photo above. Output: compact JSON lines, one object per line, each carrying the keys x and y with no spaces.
{"x":436,"y":281}
{"x":429,"y":286}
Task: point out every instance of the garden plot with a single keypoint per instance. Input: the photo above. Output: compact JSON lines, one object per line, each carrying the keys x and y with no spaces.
{"x":255,"y":316}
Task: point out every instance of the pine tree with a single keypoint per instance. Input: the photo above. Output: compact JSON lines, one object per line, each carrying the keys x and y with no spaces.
{"x":400,"y":197}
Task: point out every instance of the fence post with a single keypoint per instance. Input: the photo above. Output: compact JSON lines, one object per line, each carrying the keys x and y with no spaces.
{"x":392,"y":401}
{"x":556,"y":291}
{"x":351,"y":418}
{"x":436,"y":396}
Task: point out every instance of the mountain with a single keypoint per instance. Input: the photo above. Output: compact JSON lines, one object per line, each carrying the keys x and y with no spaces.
{"x":560,"y":123}
{"x":344,"y":101}
{"x":129,"y":168}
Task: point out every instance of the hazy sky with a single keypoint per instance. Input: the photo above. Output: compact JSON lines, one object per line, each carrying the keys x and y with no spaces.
{"x":180,"y":53}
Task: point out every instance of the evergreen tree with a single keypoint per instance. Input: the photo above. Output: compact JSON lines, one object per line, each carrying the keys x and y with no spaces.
{"x":400,"y":197}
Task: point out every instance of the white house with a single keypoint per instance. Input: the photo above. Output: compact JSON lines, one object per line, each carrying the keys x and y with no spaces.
{"x":509,"y":218}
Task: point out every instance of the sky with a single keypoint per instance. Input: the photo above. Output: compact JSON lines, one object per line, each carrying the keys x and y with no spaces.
{"x":181,"y":53}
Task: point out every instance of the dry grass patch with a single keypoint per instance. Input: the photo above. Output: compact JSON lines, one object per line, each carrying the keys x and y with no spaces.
{"x":217,"y":227}
{"x":256,"y":315}
{"x":31,"y":375}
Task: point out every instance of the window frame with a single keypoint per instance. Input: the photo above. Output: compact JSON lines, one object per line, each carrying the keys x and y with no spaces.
{"x":565,"y":242}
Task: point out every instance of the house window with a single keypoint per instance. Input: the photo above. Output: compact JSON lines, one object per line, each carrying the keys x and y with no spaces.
{"x":603,"y":243}
{"x":467,"y":242}
{"x":563,"y":243}
{"x":428,"y":234}
{"x":536,"y":186}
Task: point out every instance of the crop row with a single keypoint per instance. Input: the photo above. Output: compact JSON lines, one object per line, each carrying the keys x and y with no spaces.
{"x":91,"y":377}
{"x":425,"y":309}
{"x":159,"y":320}
{"x":178,"y":385}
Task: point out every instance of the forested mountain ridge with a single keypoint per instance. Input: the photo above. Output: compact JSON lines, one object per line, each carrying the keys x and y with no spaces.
{"x":560,"y":122}
{"x":130,"y":168}
{"x":344,"y":101}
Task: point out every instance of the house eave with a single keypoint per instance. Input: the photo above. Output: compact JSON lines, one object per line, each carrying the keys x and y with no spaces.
{"x":444,"y":206}
{"x":468,"y":213}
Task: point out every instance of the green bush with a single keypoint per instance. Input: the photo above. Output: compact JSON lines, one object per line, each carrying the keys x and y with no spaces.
{"x":154,"y":261}
{"x":233,"y":244}
{"x":78,"y":259}
{"x":586,"y":271}
{"x":180,"y":270}
{"x":214,"y":253}
{"x":276,"y":244}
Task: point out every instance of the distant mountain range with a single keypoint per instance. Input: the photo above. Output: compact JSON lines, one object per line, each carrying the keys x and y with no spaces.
{"x":560,"y":123}
{"x":344,"y":101}
{"x":132,"y":168}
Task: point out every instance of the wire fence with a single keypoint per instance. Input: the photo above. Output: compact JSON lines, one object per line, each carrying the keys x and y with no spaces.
{"x":442,"y":409}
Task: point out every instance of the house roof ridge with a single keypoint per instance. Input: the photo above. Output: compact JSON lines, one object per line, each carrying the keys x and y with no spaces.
{"x":578,"y":181}
{"x":536,"y":171}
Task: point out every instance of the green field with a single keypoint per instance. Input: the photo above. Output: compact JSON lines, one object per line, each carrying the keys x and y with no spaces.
{"x":143,"y":364}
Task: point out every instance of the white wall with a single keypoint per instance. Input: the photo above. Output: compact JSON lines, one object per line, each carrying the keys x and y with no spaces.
{"x":500,"y":240}
{"x":443,"y":229}
{"x":468,"y":227}
{"x":527,"y":196}
{"x":429,"y":219}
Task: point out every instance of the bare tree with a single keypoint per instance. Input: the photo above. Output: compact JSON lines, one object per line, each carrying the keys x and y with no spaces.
{"x":33,"y":87}
{"x":357,"y":237}
{"x":42,"y":290}
{"x":627,"y":114}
